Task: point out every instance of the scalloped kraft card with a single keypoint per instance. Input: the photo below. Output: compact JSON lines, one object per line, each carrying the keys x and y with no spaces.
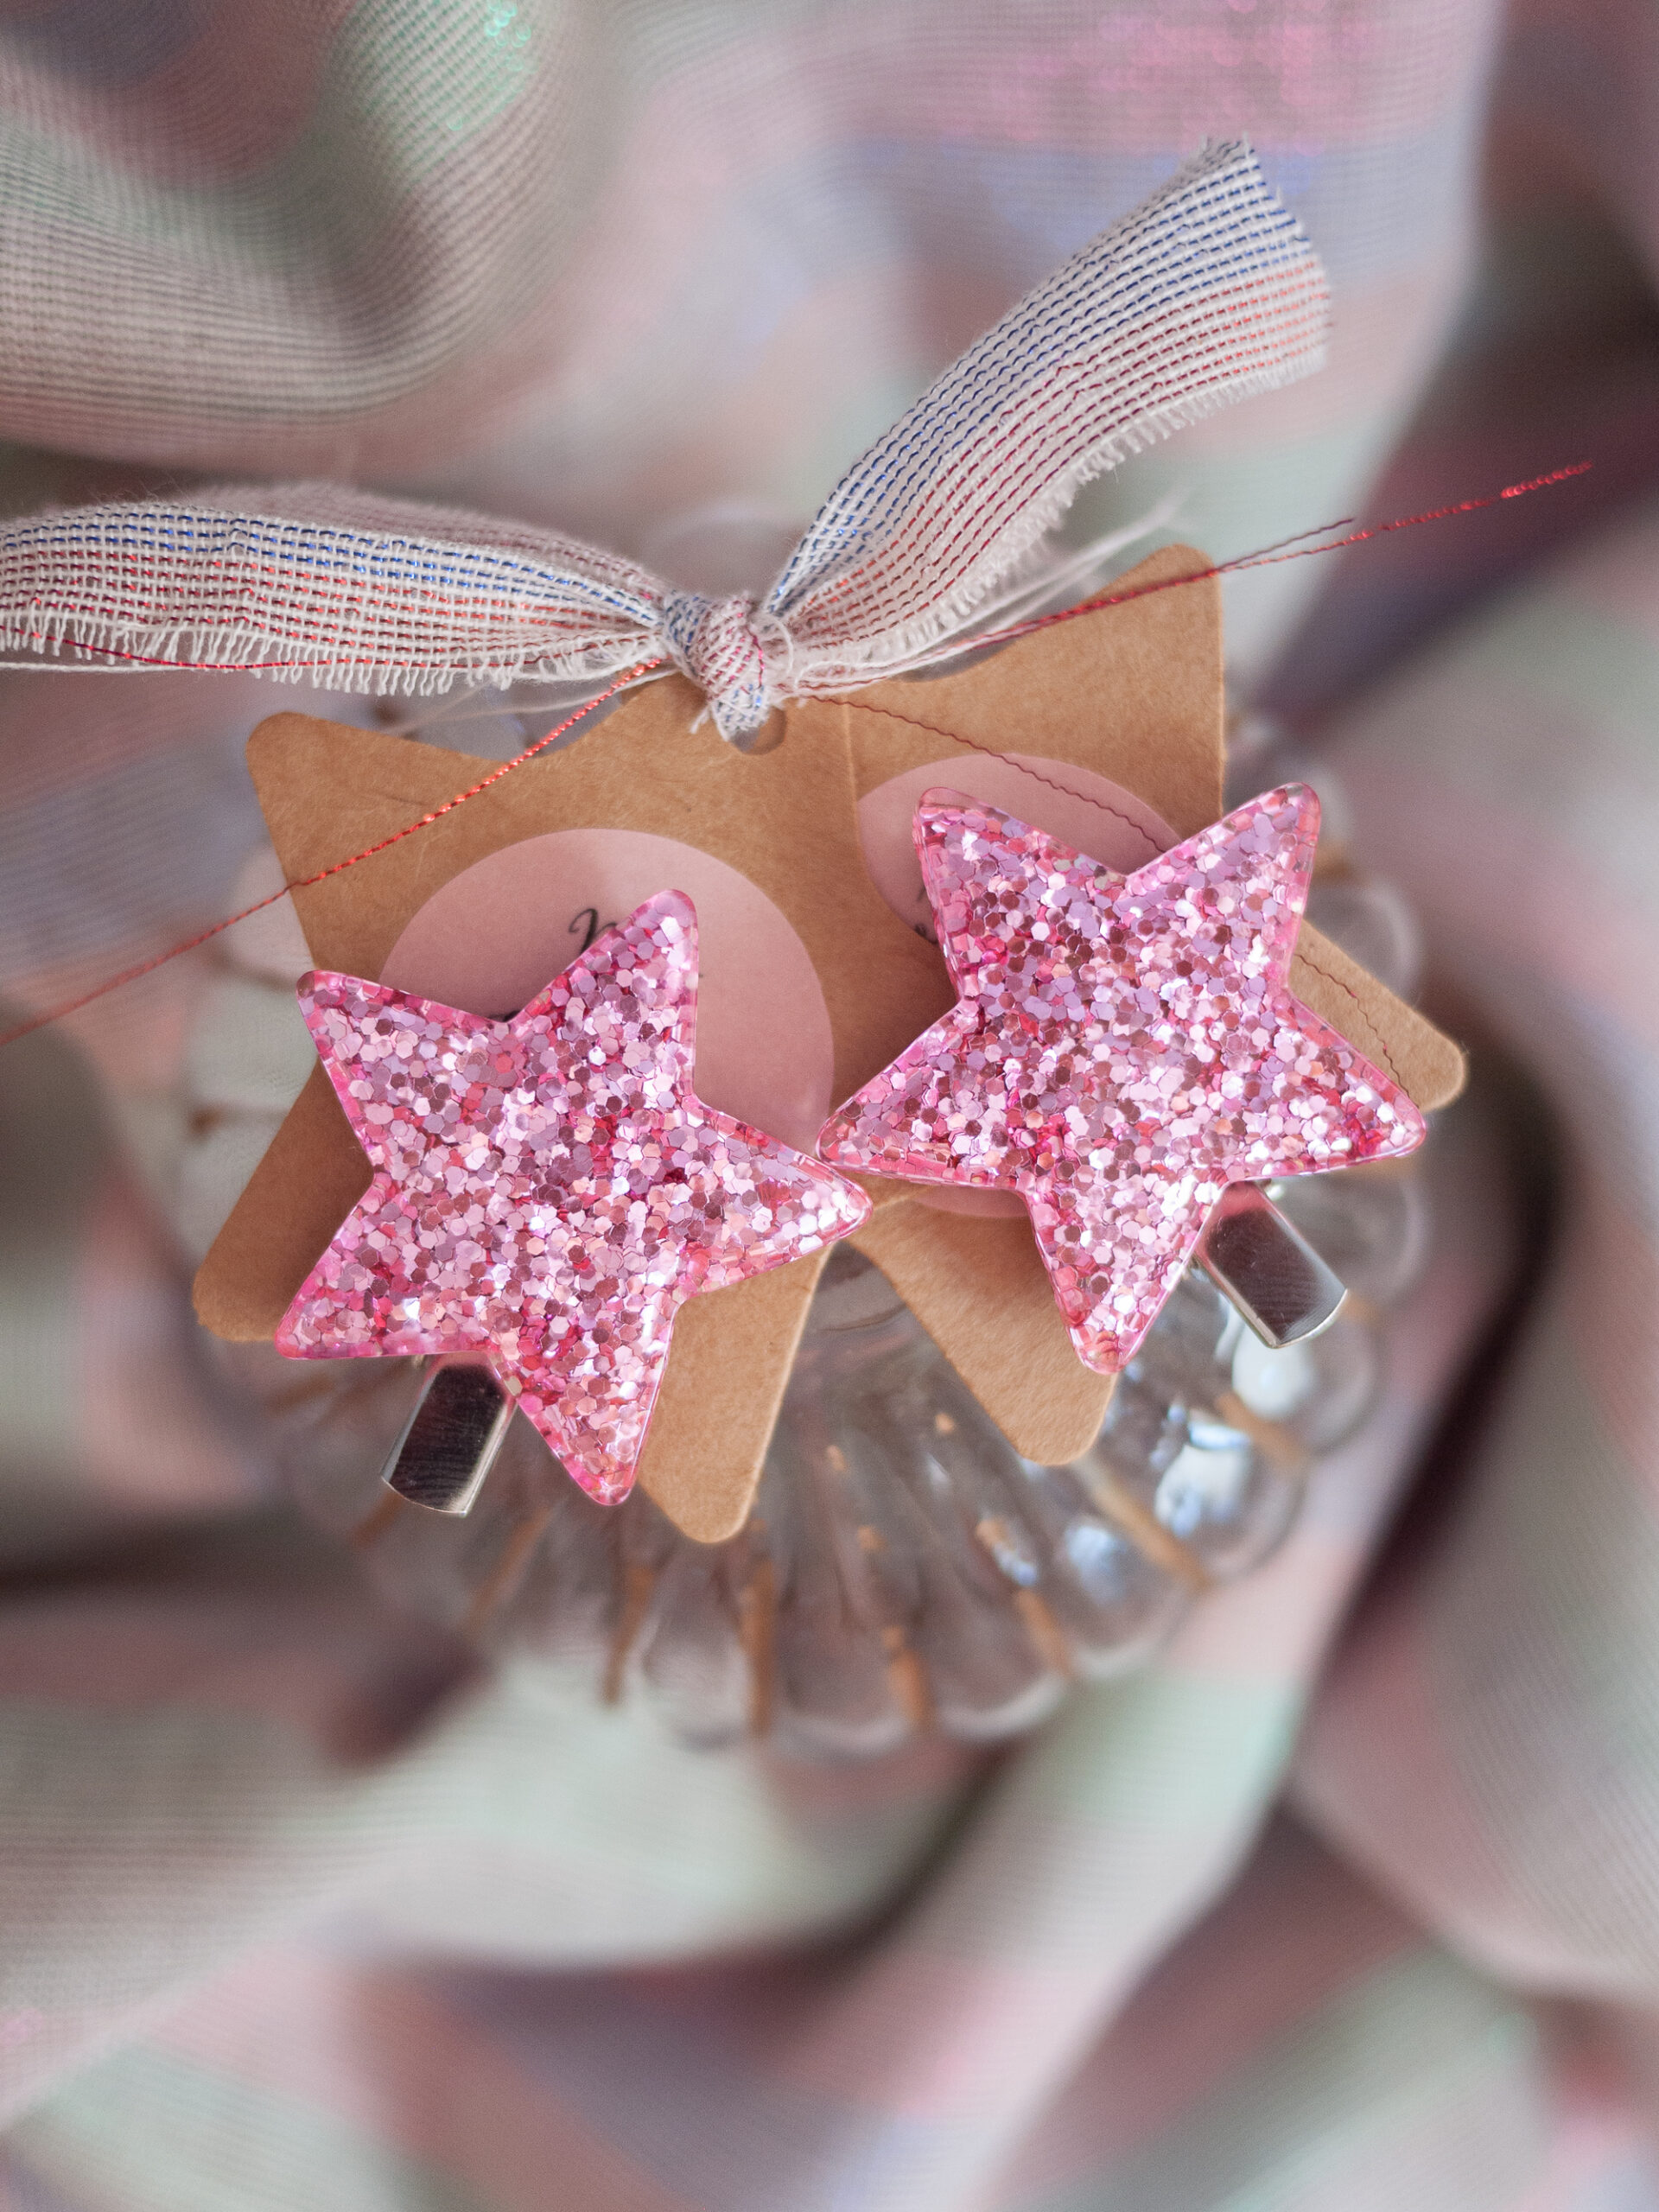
{"x":817,"y":966}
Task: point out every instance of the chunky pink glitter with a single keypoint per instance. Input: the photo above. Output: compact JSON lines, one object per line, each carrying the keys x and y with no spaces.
{"x":1121,"y":1048}
{"x":549,"y":1190}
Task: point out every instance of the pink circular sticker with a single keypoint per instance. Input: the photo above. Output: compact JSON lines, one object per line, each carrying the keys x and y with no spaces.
{"x":1088,"y":812}
{"x":491,"y":936}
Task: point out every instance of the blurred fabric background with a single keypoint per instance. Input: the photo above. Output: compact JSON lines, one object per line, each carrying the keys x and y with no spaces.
{"x":1351,"y":1900}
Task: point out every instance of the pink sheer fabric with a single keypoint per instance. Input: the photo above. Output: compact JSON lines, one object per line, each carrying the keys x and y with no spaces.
{"x":297,"y":1905}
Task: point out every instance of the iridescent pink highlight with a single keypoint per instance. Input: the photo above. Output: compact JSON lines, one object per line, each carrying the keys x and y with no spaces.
{"x":1122,"y":1048}
{"x":548,"y":1190}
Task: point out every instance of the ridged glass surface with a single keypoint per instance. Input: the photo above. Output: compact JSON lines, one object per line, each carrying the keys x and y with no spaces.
{"x":904,"y":1566}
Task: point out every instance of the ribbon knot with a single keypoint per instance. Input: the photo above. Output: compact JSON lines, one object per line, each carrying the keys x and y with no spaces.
{"x":733,"y":653}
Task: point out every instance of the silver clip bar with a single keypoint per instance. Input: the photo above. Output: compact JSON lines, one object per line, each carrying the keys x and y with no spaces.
{"x":449,"y":1441}
{"x":1267,"y":1270}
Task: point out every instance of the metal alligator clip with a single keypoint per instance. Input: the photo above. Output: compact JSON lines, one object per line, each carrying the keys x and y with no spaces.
{"x":1268,"y":1270}
{"x":449,"y":1441}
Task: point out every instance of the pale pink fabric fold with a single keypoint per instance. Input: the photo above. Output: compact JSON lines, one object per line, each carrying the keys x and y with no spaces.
{"x":296,"y":1904}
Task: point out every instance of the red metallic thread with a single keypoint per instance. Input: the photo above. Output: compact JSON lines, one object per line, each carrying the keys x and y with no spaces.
{"x":189,"y":945}
{"x":1266,"y":557}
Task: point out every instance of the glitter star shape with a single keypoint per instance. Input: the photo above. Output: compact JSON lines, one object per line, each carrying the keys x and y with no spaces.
{"x":1121,"y":1048}
{"x":549,"y":1189}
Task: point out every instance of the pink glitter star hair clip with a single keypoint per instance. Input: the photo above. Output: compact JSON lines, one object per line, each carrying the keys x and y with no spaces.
{"x":1123,"y":1049}
{"x":548,"y":1191}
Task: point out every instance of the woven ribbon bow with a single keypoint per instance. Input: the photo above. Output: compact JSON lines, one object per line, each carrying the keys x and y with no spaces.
{"x":1207,"y":293}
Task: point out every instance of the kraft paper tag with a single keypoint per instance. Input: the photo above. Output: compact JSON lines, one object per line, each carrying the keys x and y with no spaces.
{"x":1134,"y":695}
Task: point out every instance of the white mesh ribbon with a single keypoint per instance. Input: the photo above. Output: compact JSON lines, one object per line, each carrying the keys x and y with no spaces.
{"x":1208,"y":292}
